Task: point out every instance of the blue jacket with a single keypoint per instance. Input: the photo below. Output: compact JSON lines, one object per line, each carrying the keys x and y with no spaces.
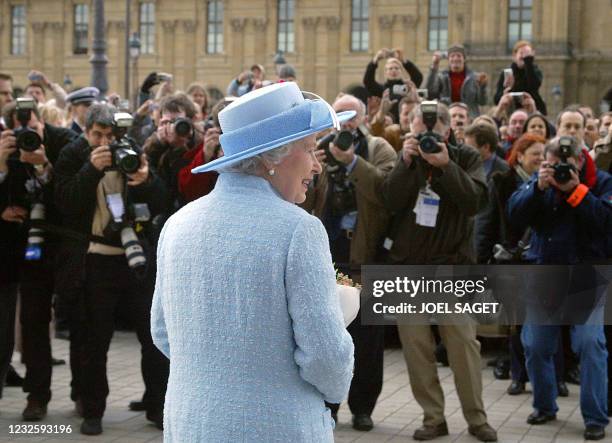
{"x":245,"y":308}
{"x":562,"y":234}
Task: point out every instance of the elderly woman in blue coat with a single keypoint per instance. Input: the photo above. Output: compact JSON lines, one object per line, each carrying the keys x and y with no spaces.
{"x":245,"y":303}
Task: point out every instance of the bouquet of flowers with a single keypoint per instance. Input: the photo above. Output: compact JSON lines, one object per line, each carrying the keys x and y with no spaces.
{"x":348,"y":292}
{"x":345,"y":280}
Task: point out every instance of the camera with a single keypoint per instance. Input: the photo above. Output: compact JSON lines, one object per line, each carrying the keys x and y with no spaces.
{"x":423,"y":93}
{"x":125,"y":157}
{"x":342,"y":140}
{"x":428,"y":140}
{"x":399,"y":90}
{"x":563,"y":169}
{"x":27,"y":139}
{"x":444,"y":54}
{"x":183,"y":127}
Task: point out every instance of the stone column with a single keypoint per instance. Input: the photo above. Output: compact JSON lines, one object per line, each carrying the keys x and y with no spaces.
{"x":332,"y":23}
{"x":56,"y":68}
{"x":260,"y":25}
{"x":238,"y":24}
{"x":37,"y":54}
{"x":308,"y":74}
{"x":115,"y":32}
{"x":409,"y":43}
{"x":385,"y":26}
{"x":189,"y":28}
{"x":169,"y":26}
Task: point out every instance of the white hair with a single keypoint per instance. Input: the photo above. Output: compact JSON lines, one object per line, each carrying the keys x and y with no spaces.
{"x":253,"y":165}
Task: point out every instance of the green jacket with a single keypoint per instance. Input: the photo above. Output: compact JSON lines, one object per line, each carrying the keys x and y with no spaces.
{"x":463,"y":193}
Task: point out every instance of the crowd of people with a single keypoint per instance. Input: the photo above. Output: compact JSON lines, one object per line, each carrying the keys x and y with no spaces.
{"x":86,"y":187}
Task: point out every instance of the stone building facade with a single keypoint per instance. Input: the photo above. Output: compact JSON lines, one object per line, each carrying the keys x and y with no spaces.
{"x":571,"y":37}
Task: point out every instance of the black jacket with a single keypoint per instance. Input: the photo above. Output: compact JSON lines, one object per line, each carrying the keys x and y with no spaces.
{"x":13,"y":192}
{"x":526,"y":79}
{"x":76,"y":197}
{"x":376,"y":89}
{"x":492,"y":224}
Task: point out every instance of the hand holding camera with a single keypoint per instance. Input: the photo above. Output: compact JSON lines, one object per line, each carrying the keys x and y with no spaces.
{"x":344,"y":156}
{"x":142,"y":173}
{"x":211,"y":143}
{"x":482,"y":78}
{"x":38,"y":157}
{"x":435,"y":60}
{"x":381,"y":54}
{"x":528,"y":103}
{"x":101,"y":158}
{"x":14,"y":214}
{"x":7,"y":148}
{"x":410,"y":149}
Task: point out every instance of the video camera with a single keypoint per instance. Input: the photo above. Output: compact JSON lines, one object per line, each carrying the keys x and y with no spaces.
{"x":123,"y":149}
{"x":27,"y":139}
{"x":563,"y":168}
{"x":428,"y":140}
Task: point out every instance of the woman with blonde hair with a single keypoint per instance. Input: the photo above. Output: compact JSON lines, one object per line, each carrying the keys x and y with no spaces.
{"x":53,"y":115}
{"x":398,"y":75}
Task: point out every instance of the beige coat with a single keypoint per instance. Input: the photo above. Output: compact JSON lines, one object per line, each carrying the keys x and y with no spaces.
{"x":372,"y":217}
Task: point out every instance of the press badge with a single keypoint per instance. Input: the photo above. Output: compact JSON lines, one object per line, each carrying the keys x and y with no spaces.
{"x":427,"y":207}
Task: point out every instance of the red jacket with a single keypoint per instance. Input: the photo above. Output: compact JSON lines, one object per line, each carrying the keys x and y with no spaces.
{"x":193,"y":186}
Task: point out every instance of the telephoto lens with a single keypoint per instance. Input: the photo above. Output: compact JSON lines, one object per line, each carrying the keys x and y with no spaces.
{"x":343,"y":140}
{"x":183,"y":127}
{"x":133,"y":249}
{"x":36,"y":238}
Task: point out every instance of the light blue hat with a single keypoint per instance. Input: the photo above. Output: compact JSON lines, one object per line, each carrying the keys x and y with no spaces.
{"x":268,"y":118}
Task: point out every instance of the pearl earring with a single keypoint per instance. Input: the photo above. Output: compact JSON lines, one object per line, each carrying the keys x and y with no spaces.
{"x":271,"y":172}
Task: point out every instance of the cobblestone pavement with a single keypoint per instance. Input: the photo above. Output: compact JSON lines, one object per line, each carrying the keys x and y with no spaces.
{"x":396,"y":416}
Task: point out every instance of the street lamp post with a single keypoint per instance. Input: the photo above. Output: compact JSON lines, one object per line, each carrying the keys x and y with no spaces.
{"x":279,"y":60}
{"x":99,"y":60}
{"x":127,"y":50}
{"x":134,"y":55}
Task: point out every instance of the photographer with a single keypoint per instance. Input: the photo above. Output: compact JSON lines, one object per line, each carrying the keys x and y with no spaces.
{"x":568,"y":208}
{"x":27,"y":197}
{"x":194,"y":186}
{"x":458,"y":83}
{"x":173,"y":145}
{"x":522,"y":76}
{"x":247,"y":81}
{"x":397,"y":75}
{"x":104,"y":204}
{"x":450,"y":182}
{"x":347,"y":198}
{"x":393,"y":133}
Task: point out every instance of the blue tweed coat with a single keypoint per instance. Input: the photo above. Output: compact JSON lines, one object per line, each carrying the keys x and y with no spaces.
{"x":245,"y":309}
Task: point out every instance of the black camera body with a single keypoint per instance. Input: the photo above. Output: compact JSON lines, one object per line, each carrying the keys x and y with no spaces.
{"x":123,"y":149}
{"x":563,"y":169}
{"x":428,"y":140}
{"x":183,"y":127}
{"x":342,"y":140}
{"x":27,"y":139}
